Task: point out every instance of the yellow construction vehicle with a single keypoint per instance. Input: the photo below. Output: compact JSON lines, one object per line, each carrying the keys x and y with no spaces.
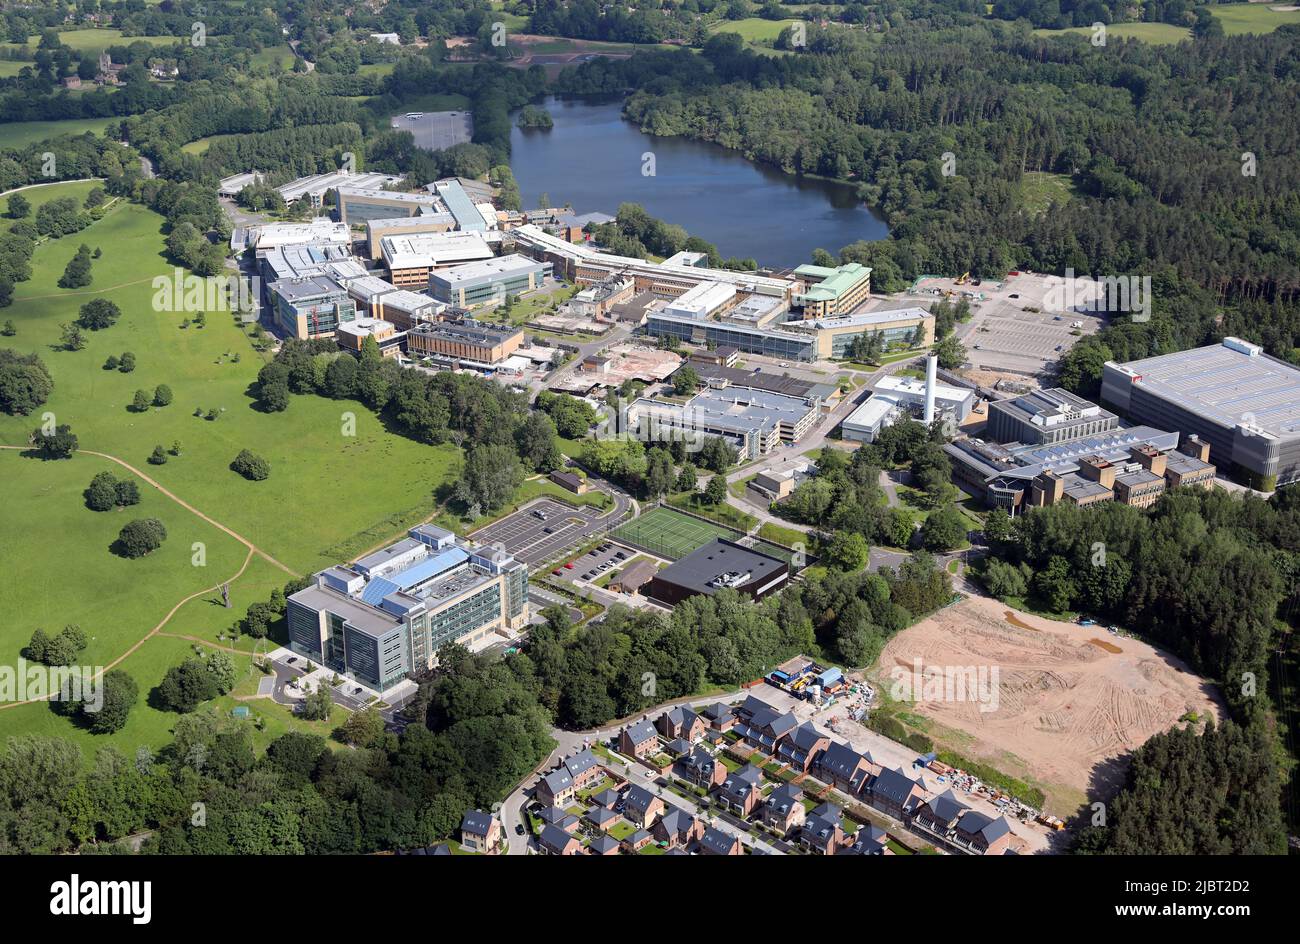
{"x":964,"y":279}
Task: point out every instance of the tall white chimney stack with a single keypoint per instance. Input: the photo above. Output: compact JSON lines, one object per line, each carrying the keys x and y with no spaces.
{"x":931,"y":369}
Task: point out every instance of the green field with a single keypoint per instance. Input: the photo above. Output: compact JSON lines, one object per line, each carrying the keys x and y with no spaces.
{"x":1238,"y":19}
{"x":84,"y":39}
{"x":329,"y":495}
{"x":22,"y":133}
{"x":753,"y":29}
{"x":1159,"y":34}
{"x":202,"y":144}
{"x":671,"y":534}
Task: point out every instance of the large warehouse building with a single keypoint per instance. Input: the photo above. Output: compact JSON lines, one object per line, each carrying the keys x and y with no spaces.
{"x":1245,"y":404}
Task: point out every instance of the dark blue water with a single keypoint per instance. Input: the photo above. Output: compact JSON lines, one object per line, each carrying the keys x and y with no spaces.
{"x":592,"y":160}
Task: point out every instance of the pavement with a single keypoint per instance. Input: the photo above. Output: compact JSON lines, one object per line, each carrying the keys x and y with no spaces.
{"x":524,"y":535}
{"x":436,"y":130}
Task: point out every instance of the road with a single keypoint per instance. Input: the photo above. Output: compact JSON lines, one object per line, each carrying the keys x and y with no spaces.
{"x":614,"y":336}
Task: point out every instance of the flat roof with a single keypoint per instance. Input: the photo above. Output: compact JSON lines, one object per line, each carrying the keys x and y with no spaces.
{"x":354,"y":192}
{"x":465,"y":332}
{"x":886,"y":316}
{"x":424,"y":250}
{"x":697,"y":570}
{"x":739,"y":409}
{"x":319,"y":230}
{"x":318,"y":184}
{"x":746,"y":281}
{"x":485,"y":269}
{"x":310,"y":287}
{"x":1230,"y":383}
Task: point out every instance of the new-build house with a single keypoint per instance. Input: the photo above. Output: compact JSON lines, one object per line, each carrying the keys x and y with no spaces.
{"x":742,"y":791}
{"x":638,"y":739}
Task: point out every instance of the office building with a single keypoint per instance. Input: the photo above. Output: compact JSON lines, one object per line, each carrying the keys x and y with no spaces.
{"x":1047,"y":416}
{"x":585,"y":265}
{"x":377,"y":229}
{"x":319,"y":232}
{"x":411,"y":258}
{"x":357,"y":205}
{"x":702,"y":301}
{"x":832,"y":292}
{"x":461,"y":205}
{"x":351,"y":335}
{"x":488,"y":281}
{"x":1242,"y":402}
{"x":1133,"y":466}
{"x":754,"y":421}
{"x":404,"y":308}
{"x":388,"y":613}
{"x":315,"y":186}
{"x":718,"y":565}
{"x":311,"y":307}
{"x":305,"y":260}
{"x":464,"y":343}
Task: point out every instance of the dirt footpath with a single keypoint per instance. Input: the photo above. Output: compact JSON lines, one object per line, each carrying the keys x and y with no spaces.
{"x":1069,"y":698}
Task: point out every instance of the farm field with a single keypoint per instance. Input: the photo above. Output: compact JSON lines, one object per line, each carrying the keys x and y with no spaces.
{"x":1238,"y":19}
{"x":1071,"y":699}
{"x":84,"y":39}
{"x":752,"y":29}
{"x":671,"y":534}
{"x":22,"y":133}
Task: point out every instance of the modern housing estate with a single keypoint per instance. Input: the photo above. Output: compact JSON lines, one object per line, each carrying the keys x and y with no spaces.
{"x":389,"y":612}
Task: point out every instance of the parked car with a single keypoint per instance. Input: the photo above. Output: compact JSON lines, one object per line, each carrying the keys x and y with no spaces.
{"x":569,"y":566}
{"x":557,"y":572}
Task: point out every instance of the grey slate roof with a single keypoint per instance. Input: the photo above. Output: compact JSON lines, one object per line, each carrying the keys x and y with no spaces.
{"x":716,"y":841}
{"x":641,"y":731}
{"x":893,"y":785}
{"x":946,"y":807}
{"x":603,"y":845}
{"x":476,"y":823}
{"x":553,"y":837}
{"x":638,"y":798}
{"x":581,"y":762}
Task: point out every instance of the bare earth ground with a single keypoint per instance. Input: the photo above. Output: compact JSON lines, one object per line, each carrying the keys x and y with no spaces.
{"x":1071,"y":699}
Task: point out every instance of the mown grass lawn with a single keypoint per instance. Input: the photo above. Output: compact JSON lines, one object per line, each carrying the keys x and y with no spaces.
{"x":329,"y":496}
{"x":362,"y":479}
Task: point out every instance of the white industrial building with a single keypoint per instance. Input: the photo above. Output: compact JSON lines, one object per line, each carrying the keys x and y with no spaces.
{"x":895,"y":397}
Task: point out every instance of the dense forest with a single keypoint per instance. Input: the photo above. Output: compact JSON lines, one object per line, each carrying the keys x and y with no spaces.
{"x":209,"y":792}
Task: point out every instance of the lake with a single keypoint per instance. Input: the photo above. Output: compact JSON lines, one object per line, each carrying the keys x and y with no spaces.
{"x":592,"y":160}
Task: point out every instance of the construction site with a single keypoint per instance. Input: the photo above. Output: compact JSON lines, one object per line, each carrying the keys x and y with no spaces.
{"x":1071,"y":699}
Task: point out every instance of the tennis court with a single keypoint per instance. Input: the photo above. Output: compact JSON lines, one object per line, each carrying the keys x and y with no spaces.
{"x":670,"y":533}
